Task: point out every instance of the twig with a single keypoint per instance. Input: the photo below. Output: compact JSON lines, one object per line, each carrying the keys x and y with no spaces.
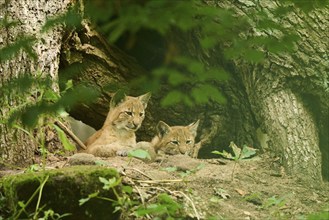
{"x":192,"y":203}
{"x":161,"y":181}
{"x":141,"y":172}
{"x":131,"y":182}
{"x":184,"y":195}
{"x":70,"y":133}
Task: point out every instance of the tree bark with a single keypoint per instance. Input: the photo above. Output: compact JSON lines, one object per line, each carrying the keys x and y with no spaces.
{"x":287,"y":93}
{"x":16,"y":146}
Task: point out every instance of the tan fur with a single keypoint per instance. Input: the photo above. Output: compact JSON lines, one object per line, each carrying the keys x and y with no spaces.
{"x":118,"y":132}
{"x":176,"y":139}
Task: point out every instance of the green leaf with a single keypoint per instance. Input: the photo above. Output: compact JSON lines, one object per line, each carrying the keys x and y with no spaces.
{"x":151,"y":209}
{"x":172,"y":98}
{"x":83,"y":201}
{"x":254,"y":56}
{"x":199,"y":96}
{"x":69,"y":84}
{"x":50,"y":95}
{"x":103,"y":180}
{"x":90,"y":196}
{"x":11,"y":50}
{"x":139,"y":153}
{"x":30,"y":116}
{"x":218,"y":74}
{"x":176,"y":78}
{"x":127,"y":189}
{"x":109,"y":183}
{"x":236,"y":150}
{"x":224,"y":154}
{"x":206,"y":92}
{"x":21,"y":204}
{"x":62,"y":137}
{"x":247,"y":152}
{"x":208,"y":42}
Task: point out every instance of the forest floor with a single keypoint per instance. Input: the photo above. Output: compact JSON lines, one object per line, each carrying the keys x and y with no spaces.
{"x":255,"y":188}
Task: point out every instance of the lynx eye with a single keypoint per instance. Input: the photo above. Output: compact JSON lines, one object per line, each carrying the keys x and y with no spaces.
{"x":188,"y":142}
{"x":129,"y":113}
{"x":175,"y":142}
{"x":141,"y":114}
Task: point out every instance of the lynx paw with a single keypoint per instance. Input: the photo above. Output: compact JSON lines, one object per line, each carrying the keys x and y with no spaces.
{"x":122,"y":153}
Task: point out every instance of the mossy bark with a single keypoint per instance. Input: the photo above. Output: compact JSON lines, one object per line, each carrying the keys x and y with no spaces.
{"x":61,"y":193}
{"x":16,"y":146}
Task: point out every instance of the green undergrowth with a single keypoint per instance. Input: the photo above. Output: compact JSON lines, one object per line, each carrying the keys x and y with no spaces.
{"x":62,"y":190}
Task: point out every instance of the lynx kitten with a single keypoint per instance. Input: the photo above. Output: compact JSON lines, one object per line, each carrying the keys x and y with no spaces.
{"x":118,"y":132}
{"x":175,"y":139}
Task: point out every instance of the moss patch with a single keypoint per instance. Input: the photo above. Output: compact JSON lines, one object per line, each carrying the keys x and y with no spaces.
{"x":61,"y":192}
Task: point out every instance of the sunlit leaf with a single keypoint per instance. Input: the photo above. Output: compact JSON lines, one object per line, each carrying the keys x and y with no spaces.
{"x":176,"y":78}
{"x":50,"y":95}
{"x":104,"y":181}
{"x":253,"y":56}
{"x":127,"y":189}
{"x":30,"y":116}
{"x":90,"y":196}
{"x":224,"y":154}
{"x":139,"y":153}
{"x":172,"y":98}
{"x":247,"y":152}
{"x":11,"y":50}
{"x":208,"y":42}
{"x":65,"y":141}
{"x":236,"y":150}
{"x":71,"y":18}
{"x":109,"y":183}
{"x":206,"y":92}
{"x":216,"y":74}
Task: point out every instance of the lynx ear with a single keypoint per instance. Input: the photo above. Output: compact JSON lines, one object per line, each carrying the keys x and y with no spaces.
{"x":117,"y":98}
{"x":163,"y":129}
{"x":193,"y":127}
{"x":144,"y":99}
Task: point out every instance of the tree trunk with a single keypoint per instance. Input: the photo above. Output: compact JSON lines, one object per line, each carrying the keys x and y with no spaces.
{"x":288,"y":92}
{"x":16,"y":146}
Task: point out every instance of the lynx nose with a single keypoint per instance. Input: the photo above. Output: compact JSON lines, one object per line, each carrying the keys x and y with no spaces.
{"x":134,"y":126}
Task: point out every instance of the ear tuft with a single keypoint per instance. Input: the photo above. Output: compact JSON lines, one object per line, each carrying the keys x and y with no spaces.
{"x":163,"y":129}
{"x":144,"y":99}
{"x":117,"y":98}
{"x":193,"y":127}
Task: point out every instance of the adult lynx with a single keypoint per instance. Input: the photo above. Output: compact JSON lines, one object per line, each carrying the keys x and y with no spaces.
{"x":118,"y":132}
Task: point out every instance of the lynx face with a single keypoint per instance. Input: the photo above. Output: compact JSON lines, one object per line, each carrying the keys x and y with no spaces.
{"x":176,"y":139}
{"x":127,"y":113}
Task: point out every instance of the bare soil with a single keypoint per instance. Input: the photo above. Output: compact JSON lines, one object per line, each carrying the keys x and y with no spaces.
{"x":256,"y":188}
